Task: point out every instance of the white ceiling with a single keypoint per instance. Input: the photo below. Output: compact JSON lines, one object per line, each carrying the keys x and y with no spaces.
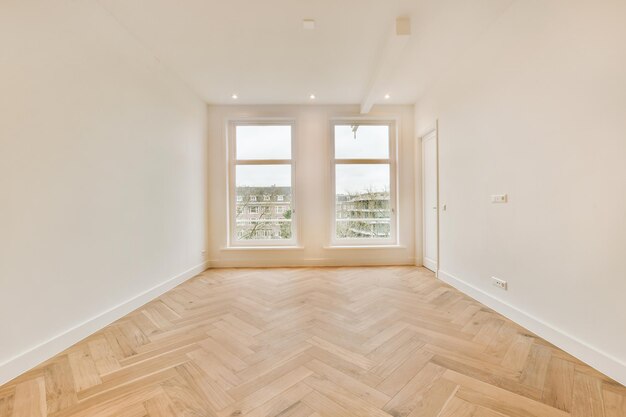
{"x":259,"y":49}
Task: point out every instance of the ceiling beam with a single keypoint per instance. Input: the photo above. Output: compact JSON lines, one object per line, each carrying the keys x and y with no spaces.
{"x":388,"y":61}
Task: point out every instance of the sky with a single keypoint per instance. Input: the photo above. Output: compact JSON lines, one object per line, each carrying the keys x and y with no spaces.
{"x":263,"y":142}
{"x":274,"y":142}
{"x":357,"y":178}
{"x":372,"y":142}
{"x":263,"y":175}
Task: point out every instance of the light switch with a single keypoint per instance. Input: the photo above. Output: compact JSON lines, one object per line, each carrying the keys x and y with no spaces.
{"x":499,"y":198}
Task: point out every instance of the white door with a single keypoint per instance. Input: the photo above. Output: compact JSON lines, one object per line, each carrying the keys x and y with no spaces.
{"x":430,"y":200}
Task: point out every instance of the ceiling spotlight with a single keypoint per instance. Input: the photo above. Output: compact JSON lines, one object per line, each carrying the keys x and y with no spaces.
{"x":387,"y":96}
{"x":312,"y":96}
{"x":234,"y":96}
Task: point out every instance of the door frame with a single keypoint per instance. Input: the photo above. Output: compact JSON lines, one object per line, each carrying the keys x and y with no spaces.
{"x":427,"y":135}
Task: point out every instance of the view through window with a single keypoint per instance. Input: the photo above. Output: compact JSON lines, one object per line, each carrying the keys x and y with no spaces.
{"x":363,"y":182}
{"x":263,"y":183}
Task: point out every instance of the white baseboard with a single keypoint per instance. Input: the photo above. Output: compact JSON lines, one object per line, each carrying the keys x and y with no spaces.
{"x":430,"y":264}
{"x":304,"y":262}
{"x":592,"y":356}
{"x":36,"y":355}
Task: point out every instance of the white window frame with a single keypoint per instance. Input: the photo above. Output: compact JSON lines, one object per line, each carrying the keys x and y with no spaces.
{"x":232,"y":240}
{"x":392,"y":161}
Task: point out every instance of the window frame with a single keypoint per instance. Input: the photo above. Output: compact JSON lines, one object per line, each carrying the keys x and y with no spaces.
{"x":392,"y":161}
{"x":233,"y":162}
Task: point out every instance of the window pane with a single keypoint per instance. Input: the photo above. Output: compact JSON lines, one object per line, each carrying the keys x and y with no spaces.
{"x":371,"y":142}
{"x":263,"y":142}
{"x":363,"y":204}
{"x":263,"y":202}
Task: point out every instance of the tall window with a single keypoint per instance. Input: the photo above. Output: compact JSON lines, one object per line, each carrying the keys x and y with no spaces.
{"x":364,"y":183}
{"x":261,"y":178}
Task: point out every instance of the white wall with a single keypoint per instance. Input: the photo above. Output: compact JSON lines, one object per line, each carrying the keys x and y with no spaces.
{"x":102,"y":177}
{"x":312,"y":135}
{"x":537,"y":110}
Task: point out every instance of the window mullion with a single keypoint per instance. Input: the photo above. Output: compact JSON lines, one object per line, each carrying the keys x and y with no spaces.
{"x":263,"y":161}
{"x":362,"y":161}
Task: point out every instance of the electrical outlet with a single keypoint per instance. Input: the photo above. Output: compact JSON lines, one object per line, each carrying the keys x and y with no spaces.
{"x":499,"y":198}
{"x":203,"y":253}
{"x":500,"y":283}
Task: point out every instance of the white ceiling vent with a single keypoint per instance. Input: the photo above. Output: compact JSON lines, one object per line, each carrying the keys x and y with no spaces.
{"x":403,"y":26}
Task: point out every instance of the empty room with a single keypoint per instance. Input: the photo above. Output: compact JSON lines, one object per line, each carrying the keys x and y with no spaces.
{"x":299,"y":208}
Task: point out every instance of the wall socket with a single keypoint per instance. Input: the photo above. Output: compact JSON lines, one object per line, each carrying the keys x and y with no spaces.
{"x":499,"y":198}
{"x":500,"y":283}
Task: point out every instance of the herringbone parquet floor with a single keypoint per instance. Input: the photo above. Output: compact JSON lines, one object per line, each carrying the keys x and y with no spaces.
{"x":303,"y":342}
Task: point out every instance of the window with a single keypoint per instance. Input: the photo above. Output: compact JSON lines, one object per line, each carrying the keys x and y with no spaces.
{"x":261,"y":169}
{"x":363,"y":172}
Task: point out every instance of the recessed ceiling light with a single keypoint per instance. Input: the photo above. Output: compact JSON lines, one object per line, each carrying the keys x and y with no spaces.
{"x":387,"y":96}
{"x":312,"y":96}
{"x":308,"y":24}
{"x":234,"y":96}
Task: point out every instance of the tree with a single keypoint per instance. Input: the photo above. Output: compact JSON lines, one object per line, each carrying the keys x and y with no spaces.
{"x":285,"y":227}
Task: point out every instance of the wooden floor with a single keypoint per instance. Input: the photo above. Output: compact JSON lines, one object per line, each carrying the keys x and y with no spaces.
{"x":313,"y":342}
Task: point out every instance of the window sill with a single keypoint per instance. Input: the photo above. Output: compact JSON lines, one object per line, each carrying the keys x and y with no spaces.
{"x":352,"y":247}
{"x":272,"y":248}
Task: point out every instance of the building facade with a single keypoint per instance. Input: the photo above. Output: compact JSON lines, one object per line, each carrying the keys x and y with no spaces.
{"x":263,"y":213}
{"x":363,"y":215}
